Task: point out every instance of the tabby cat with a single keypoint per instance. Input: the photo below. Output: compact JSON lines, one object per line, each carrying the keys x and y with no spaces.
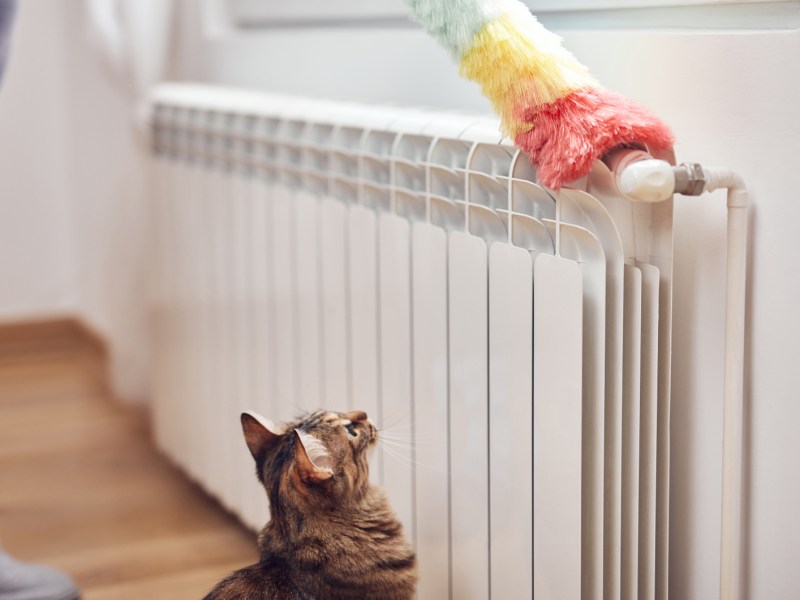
{"x":332,"y":535}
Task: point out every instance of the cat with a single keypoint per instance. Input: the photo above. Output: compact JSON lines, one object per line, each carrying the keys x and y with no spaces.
{"x":332,"y":535}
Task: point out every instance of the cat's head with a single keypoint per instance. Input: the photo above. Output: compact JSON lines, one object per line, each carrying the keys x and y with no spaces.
{"x":318,"y":459}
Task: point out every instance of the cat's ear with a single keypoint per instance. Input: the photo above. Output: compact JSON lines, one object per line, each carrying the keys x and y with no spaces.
{"x":259,"y":433}
{"x":312,"y":461}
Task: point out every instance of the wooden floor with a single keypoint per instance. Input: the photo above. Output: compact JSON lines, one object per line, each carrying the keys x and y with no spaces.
{"x":83,"y":489}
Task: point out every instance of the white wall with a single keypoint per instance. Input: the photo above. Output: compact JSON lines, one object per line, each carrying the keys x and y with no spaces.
{"x":37,"y":260}
{"x":73,"y":217}
{"x":732,"y":97}
{"x":108,"y":209}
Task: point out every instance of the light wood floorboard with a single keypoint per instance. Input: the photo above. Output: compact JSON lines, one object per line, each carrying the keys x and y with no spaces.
{"x":83,"y":489}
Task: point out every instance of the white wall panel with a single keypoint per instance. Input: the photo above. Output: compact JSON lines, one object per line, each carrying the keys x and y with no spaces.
{"x":253,"y":12}
{"x":549,"y":5}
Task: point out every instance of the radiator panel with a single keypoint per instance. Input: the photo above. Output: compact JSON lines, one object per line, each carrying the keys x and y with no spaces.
{"x":208,"y":377}
{"x":557,"y":433}
{"x":468,"y":308}
{"x":431,"y":427}
{"x":648,"y":444}
{"x":256,"y":510}
{"x":631,"y":402}
{"x":310,"y":348}
{"x":365,"y":350}
{"x":314,"y":255}
{"x":582,"y":246}
{"x":287,"y":395}
{"x":394,"y":293}
{"x":510,"y":420}
{"x":333,"y":313}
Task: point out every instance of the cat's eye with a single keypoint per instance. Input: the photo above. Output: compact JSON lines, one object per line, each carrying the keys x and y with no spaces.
{"x":351,"y":429}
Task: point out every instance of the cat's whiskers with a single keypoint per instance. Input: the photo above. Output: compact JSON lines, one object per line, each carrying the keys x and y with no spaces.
{"x":403,"y":422}
{"x":397,"y":455}
{"x":407,"y":459}
{"x":406,"y":445}
{"x":398,"y":437}
{"x":425,"y":441}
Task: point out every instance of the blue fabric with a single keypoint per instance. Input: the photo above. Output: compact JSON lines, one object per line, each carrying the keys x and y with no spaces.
{"x":7,"y":10}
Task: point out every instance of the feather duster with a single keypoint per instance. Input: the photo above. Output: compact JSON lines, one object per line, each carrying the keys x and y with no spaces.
{"x":547,"y":101}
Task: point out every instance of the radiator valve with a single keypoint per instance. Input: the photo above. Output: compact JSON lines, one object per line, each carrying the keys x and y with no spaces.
{"x":690,"y":179}
{"x":651,"y":180}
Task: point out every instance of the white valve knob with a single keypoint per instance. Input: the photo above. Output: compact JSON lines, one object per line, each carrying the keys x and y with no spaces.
{"x":647,"y":180}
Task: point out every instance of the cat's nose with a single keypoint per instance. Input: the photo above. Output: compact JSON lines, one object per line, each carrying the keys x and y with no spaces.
{"x":357,"y":416}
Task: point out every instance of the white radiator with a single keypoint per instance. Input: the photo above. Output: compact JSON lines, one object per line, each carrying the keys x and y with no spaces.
{"x":512,"y":342}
